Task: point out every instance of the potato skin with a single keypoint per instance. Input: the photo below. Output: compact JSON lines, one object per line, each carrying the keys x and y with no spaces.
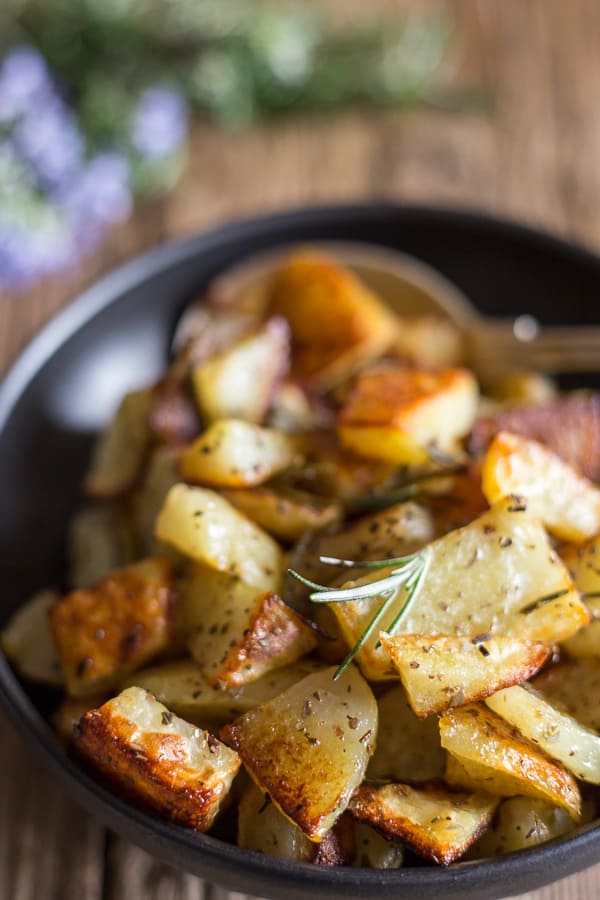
{"x":154,"y":766}
{"x":115,"y":626}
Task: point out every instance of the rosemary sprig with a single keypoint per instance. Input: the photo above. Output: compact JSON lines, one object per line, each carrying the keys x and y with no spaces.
{"x":408,"y":572}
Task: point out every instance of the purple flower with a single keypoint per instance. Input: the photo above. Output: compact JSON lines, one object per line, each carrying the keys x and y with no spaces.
{"x":24,"y":80}
{"x":159,"y":122}
{"x":47,"y":137}
{"x":31,"y":249}
{"x":100,"y":195}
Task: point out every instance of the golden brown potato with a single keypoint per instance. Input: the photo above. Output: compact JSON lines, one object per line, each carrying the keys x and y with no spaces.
{"x":432,"y":821}
{"x":583,"y":564}
{"x":176,"y":768}
{"x":555,"y":732}
{"x":285,"y":513}
{"x":569,"y":426}
{"x":566,"y":502}
{"x":453,"y":500}
{"x":496,"y":576}
{"x":519,"y":823}
{"x":408,"y":748}
{"x":28,"y":643}
{"x":117,"y":625}
{"x":487,"y":754}
{"x":374,"y":851}
{"x":205,"y":527}
{"x":309,"y":747}
{"x":337,"y":322}
{"x":406,"y":416}
{"x":237,"y":633}
{"x":182,"y":687}
{"x":100,"y":538}
{"x":120,"y":451}
{"x":241,"y":380}
{"x":233,"y":453}
{"x":573,"y":686}
{"x":439,"y":672}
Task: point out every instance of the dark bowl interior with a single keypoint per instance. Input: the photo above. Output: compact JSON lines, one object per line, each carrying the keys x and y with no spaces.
{"x":115,"y":337}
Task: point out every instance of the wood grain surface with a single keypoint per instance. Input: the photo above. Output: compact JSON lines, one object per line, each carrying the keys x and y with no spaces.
{"x":532,"y":153}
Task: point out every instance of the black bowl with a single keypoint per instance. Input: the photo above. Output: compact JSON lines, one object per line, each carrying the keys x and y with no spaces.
{"x":116,"y":336}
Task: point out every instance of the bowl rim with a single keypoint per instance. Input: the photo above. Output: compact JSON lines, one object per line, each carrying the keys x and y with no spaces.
{"x":556,"y":859}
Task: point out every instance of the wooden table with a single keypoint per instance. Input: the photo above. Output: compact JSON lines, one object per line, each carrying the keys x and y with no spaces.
{"x":534,"y":154}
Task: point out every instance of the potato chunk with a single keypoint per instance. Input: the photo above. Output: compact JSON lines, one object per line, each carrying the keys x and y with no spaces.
{"x":105,"y":631}
{"x":240,"y":382}
{"x":262,"y":827}
{"x":176,"y":768}
{"x":120,"y":451}
{"x":497,"y":576}
{"x":285,"y":513}
{"x":28,"y":642}
{"x":574,"y":686}
{"x":556,"y":732}
{"x":408,"y":748}
{"x":336,"y":321}
{"x":583,"y":564}
{"x":309,"y":747}
{"x":404,"y":415}
{"x":487,"y":754}
{"x":234,"y":453}
{"x":182,"y":687}
{"x":238,"y":633}
{"x":566,"y":502}
{"x":205,"y":527}
{"x":162,"y":472}
{"x":100,"y":539}
{"x":433,"y":821}
{"x":374,"y":851}
{"x":439,"y":671}
{"x":522,"y":822}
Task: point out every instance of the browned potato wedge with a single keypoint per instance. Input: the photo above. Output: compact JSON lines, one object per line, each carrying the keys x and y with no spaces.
{"x":487,"y":754}
{"x":285,"y":513}
{"x":558,"y":734}
{"x":519,"y":823}
{"x":337,"y":322}
{"x":433,"y":821}
{"x":439,"y":671}
{"x":234,"y":453}
{"x":573,"y":686}
{"x":237,"y":634}
{"x":453,"y":500}
{"x":292,"y":746}
{"x":583,"y":562}
{"x":408,"y":748}
{"x":105,"y":631}
{"x":120,"y":451}
{"x":566,"y":502}
{"x":569,"y":426}
{"x":331,"y":471}
{"x":403,"y":416}
{"x":100,"y":538}
{"x":182,"y":687}
{"x":28,"y":643}
{"x":137,"y":743}
{"x":262,"y":827}
{"x":162,"y":472}
{"x":66,"y":718}
{"x":496,"y":576}
{"x":240,"y":381}
{"x":374,"y":851}
{"x":202,"y":525}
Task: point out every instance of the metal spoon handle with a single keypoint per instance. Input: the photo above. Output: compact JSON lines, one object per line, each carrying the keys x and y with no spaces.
{"x":495,"y":347}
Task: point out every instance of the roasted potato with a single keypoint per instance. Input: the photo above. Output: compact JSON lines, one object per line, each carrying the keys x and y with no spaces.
{"x":28,"y":642}
{"x":205,"y":527}
{"x":566,"y":502}
{"x":285,"y":513}
{"x":519,"y":823}
{"x":292,"y":746}
{"x":176,"y":768}
{"x":117,"y":625}
{"x":100,"y":538}
{"x":439,"y":672}
{"x":233,"y":453}
{"x":573,"y":686}
{"x":406,"y":416}
{"x":121,"y":450}
{"x":240,"y":381}
{"x":487,"y":754}
{"x":162,"y":472}
{"x":432,"y":821}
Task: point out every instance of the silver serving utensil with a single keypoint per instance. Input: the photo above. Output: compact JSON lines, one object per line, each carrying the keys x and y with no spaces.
{"x":493,"y":346}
